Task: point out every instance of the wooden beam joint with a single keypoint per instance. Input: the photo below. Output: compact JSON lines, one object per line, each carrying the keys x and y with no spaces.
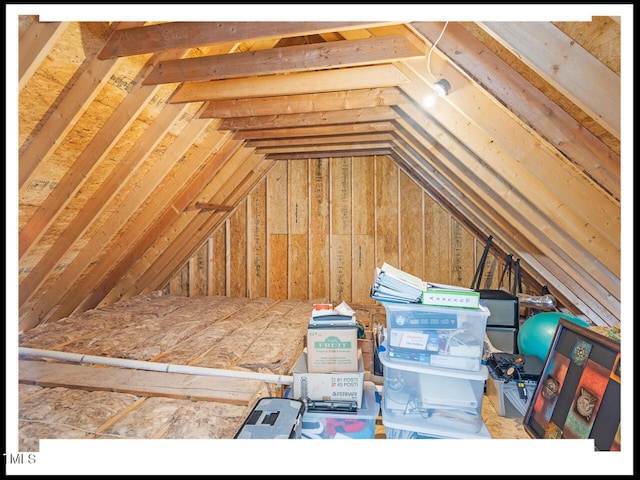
{"x":211,"y":207}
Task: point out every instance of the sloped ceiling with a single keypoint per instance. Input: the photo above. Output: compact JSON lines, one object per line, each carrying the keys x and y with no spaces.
{"x":129,"y":127}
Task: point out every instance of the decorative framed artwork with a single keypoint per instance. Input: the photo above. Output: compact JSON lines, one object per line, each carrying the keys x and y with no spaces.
{"x":578,"y":394}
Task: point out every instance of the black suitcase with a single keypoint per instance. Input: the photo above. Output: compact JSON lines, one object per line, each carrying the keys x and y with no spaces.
{"x":273,"y":417}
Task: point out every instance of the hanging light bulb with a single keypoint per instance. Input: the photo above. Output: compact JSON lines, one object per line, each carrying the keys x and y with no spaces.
{"x":441,"y":87}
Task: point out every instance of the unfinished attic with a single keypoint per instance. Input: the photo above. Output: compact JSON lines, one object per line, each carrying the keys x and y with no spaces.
{"x":188,"y":190}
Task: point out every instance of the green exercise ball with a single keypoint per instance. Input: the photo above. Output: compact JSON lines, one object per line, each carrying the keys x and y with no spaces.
{"x":537,"y":332}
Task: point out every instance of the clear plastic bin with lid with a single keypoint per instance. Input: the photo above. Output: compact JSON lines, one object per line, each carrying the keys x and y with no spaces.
{"x":445,"y":337}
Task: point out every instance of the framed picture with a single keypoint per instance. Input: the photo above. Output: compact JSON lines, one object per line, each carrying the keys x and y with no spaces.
{"x":578,"y":394}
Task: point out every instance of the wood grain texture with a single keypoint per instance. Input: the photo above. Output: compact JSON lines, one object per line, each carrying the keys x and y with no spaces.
{"x":198,"y":272}
{"x":140,"y":383}
{"x":238,"y":252}
{"x":257,"y":238}
{"x":138,"y":141}
{"x":298,"y":224}
{"x":411,"y":230}
{"x":319,"y":229}
{"x":399,"y":222}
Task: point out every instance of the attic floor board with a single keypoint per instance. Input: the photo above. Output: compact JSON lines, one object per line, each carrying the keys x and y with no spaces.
{"x":238,"y":391}
{"x":63,"y":413}
{"x":64,"y":401}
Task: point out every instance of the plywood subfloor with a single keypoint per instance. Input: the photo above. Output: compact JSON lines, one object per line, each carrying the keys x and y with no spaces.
{"x":63,"y":400}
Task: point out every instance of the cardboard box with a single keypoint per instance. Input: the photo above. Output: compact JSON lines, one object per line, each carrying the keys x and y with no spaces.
{"x":328,"y":386}
{"x":332,"y":349}
{"x":365,"y":345}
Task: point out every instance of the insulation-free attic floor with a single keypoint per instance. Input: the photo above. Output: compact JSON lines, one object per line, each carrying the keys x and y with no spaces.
{"x":64,"y":400}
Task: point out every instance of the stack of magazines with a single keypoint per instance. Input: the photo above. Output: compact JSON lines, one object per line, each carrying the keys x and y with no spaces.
{"x":394,"y":285}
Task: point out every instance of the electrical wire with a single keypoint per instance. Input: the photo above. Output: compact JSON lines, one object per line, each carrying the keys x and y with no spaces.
{"x":431,"y":50}
{"x":452,"y":337}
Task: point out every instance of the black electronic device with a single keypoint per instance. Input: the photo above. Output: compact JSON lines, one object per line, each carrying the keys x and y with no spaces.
{"x":341,"y":406}
{"x":503,"y":339}
{"x":503,"y":321}
{"x":503,"y":308}
{"x":507,"y":366}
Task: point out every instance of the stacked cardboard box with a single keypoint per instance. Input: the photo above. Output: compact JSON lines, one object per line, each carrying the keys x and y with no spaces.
{"x":329,"y":378}
{"x":331,"y":368}
{"x":332,"y":340}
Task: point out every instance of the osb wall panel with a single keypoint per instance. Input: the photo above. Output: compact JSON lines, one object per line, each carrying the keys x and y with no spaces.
{"x":319,"y":219}
{"x":341,"y":221}
{"x":298,"y":211}
{"x":363,"y":255}
{"x":198,"y":265}
{"x":238,"y":254}
{"x":257,"y":206}
{"x":218,"y":260}
{"x":317,"y":229}
{"x":385,"y":199}
{"x":277,"y":229}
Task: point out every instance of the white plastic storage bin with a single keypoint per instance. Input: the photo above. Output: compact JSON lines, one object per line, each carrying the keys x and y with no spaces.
{"x":344,"y":425}
{"x":399,"y":431}
{"x":442,"y":402}
{"x":443,"y":337}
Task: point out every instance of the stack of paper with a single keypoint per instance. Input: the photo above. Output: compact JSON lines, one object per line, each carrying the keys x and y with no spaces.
{"x":324,"y":315}
{"x":394,"y":285}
